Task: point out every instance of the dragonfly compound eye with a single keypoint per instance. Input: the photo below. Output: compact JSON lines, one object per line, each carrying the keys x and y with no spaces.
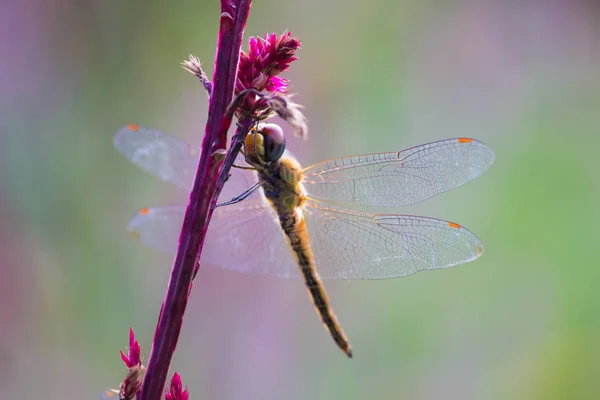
{"x":274,"y":141}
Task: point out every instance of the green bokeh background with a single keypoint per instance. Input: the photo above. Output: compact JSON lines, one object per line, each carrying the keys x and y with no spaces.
{"x":522,"y":322}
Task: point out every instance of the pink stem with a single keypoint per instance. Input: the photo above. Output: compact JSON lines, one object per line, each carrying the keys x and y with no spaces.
{"x":234,"y":14}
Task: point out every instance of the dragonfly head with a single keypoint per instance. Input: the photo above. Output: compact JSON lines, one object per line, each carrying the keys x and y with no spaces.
{"x":265,"y":143}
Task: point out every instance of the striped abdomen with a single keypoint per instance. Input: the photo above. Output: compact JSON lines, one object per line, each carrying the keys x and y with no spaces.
{"x":295,"y":229}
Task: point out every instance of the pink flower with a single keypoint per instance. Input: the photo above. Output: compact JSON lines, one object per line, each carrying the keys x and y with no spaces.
{"x":258,"y":69}
{"x":135,"y":370}
{"x":176,"y":391}
{"x":133,"y":357}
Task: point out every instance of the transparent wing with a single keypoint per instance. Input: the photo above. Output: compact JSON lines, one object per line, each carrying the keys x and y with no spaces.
{"x":233,"y":228}
{"x":163,"y":156}
{"x":246,"y":237}
{"x":354,"y":245}
{"x":172,"y":160}
{"x":398,"y":178}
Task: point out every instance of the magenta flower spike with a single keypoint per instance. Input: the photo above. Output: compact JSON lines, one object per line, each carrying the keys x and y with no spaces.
{"x":266,"y":58}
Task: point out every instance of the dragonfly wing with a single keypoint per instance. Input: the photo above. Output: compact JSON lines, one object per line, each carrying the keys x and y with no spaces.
{"x":244,"y":237}
{"x":354,"y":245}
{"x":172,"y":160}
{"x":163,"y":156}
{"x":158,"y":227}
{"x":347,"y":245}
{"x":233,"y":228}
{"x":248,"y":238}
{"x":398,"y":178}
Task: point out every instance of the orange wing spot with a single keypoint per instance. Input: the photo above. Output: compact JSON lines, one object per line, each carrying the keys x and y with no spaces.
{"x":479,"y":250}
{"x":453,"y":225}
{"x":133,"y":127}
{"x":144,"y":211}
{"x":135,"y":234}
{"x":464,"y":140}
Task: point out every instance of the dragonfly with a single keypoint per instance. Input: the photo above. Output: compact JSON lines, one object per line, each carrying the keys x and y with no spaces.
{"x":277,"y":218}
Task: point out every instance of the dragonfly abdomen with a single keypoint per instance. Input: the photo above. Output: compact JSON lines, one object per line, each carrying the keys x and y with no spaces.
{"x":294,"y":226}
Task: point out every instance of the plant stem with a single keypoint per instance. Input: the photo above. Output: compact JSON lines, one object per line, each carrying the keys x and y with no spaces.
{"x":234,"y":14}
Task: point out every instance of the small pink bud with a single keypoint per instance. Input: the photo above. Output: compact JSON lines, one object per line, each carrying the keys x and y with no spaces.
{"x":132,"y":358}
{"x":176,"y":391}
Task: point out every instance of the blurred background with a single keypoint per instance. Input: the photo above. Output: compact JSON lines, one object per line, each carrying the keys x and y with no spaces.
{"x":522,"y":322}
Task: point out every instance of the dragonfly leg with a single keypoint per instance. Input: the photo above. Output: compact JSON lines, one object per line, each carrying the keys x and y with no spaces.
{"x":240,"y":197}
{"x":242,"y":167}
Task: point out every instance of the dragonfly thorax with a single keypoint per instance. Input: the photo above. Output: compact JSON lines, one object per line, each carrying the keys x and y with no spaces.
{"x":279,"y":176}
{"x":281,"y":182}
